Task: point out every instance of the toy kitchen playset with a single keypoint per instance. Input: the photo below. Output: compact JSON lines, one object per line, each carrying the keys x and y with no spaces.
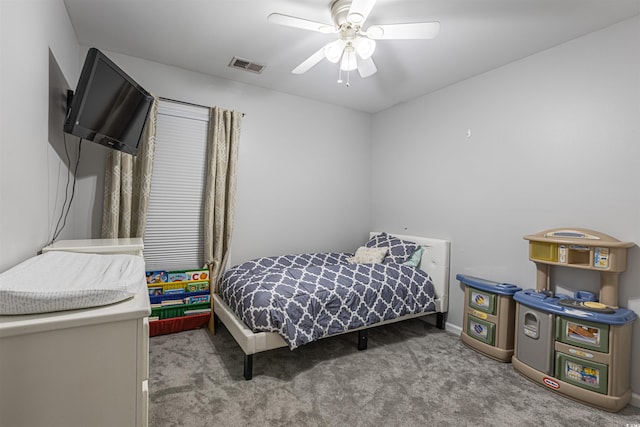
{"x":577,"y":345}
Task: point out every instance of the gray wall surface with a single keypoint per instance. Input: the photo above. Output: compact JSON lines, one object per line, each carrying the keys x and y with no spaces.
{"x":554,"y":142}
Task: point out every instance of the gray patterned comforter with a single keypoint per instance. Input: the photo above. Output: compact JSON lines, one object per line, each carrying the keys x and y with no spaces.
{"x":309,"y":296}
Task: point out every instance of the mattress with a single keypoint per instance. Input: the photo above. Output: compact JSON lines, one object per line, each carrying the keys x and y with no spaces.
{"x":306,"y":297}
{"x":56,"y":281}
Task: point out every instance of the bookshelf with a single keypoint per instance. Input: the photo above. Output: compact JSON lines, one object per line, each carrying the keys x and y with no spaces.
{"x":180,"y":300}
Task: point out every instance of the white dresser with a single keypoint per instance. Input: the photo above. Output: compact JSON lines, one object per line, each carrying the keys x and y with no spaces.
{"x":85,"y":368}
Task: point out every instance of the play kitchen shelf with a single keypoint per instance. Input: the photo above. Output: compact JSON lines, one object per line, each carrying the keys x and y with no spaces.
{"x":580,"y":248}
{"x":578,"y":345}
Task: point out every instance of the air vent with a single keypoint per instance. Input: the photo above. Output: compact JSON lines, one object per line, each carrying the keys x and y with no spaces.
{"x":244,"y":64}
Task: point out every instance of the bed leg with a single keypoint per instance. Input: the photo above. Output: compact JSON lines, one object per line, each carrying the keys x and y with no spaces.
{"x":213,"y":324}
{"x":440,"y":321}
{"x":216,"y":321}
{"x":363,"y":336}
{"x":248,"y":366}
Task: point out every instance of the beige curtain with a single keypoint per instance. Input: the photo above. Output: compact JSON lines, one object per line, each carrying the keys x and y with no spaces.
{"x":220,"y":188}
{"x":127,"y":185}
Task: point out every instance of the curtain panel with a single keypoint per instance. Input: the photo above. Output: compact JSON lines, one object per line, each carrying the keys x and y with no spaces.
{"x":220,"y":188}
{"x":127,"y":185}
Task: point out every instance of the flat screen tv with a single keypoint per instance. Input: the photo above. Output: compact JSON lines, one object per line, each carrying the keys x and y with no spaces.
{"x":108,"y":107}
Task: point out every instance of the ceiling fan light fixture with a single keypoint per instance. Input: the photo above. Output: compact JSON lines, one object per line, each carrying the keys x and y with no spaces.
{"x":365,"y":47}
{"x":333,"y":51}
{"x":349,"y":61}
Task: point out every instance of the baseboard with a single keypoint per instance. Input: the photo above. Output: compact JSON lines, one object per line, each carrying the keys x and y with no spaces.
{"x":454,"y":329}
{"x":635,"y":400}
{"x":449,"y":327}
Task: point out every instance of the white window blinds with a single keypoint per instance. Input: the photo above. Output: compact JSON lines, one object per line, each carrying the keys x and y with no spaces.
{"x":173,"y":238}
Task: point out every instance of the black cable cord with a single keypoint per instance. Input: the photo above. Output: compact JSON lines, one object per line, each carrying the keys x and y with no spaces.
{"x":66,"y":190}
{"x":63,"y":214}
{"x":73,"y":189}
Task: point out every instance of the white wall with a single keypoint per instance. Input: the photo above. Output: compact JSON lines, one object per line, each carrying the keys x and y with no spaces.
{"x":33,"y":169}
{"x":554,"y":143}
{"x":304,"y":166}
{"x":328,"y":169}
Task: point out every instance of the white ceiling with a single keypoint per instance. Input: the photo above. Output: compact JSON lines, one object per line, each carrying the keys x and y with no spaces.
{"x":204,"y":35}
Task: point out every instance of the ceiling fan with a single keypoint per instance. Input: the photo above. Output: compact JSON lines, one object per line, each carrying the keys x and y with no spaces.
{"x":355,"y":45}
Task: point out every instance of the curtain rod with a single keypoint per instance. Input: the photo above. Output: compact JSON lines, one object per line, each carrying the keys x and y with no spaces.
{"x":186,"y":103}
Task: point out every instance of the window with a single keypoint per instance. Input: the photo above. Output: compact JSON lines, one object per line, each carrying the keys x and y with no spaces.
{"x":174,"y":236}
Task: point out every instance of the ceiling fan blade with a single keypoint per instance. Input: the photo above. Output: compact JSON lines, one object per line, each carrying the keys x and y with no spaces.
{"x":419,"y":30}
{"x":366,"y":67}
{"x":308,"y":63}
{"x":305,"y":24}
{"x":359,"y":11}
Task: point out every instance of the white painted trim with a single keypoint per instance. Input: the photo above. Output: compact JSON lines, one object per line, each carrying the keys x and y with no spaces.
{"x":454,"y":329}
{"x":635,"y":400}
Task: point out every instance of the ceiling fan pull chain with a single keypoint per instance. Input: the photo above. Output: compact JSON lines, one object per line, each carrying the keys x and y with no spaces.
{"x":348,"y":84}
{"x":339,"y":75}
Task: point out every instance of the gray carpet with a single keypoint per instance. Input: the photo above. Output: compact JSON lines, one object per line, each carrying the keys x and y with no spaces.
{"x":412,"y":374}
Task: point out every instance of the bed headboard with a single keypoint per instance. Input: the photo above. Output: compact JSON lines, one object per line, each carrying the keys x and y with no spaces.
{"x":435,"y":261}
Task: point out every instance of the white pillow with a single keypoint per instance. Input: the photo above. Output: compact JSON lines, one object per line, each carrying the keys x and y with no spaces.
{"x":57,"y":281}
{"x":366,"y":255}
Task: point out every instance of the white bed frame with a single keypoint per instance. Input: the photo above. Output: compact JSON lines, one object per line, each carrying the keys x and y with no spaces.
{"x":435,"y":261}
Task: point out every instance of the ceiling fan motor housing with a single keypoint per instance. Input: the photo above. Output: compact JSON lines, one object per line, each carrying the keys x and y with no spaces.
{"x":340,"y":12}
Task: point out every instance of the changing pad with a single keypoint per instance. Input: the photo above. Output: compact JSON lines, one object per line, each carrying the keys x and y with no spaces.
{"x":56,"y":281}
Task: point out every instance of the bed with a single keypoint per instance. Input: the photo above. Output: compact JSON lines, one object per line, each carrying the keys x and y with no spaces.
{"x":418,"y":274}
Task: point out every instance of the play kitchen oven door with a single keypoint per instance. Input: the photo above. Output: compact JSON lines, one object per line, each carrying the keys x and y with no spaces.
{"x":581,"y":353}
